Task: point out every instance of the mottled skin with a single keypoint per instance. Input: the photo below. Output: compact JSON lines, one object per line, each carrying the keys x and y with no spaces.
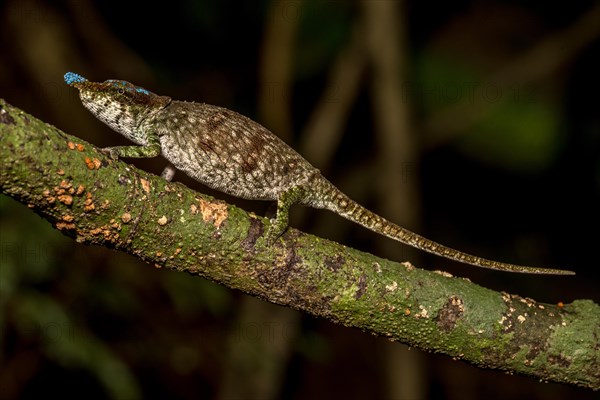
{"x":231,"y":153}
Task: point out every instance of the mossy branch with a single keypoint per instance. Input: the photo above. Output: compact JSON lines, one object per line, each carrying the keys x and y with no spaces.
{"x":96,"y":200}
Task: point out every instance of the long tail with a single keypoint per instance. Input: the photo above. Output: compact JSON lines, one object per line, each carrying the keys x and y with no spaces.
{"x":341,"y":204}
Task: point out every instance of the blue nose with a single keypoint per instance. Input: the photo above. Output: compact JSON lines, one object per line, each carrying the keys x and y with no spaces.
{"x":71,"y":78}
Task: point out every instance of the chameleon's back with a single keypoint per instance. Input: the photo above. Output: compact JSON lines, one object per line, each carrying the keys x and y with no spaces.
{"x":227,"y":151}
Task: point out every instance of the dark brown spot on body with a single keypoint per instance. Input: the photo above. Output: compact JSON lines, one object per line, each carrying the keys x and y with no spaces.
{"x":249,"y":164}
{"x":206,"y":144}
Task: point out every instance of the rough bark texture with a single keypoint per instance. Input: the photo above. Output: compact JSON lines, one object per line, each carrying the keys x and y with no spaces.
{"x":99,"y":201}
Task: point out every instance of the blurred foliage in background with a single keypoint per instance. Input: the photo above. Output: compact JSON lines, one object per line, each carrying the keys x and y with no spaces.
{"x":499,"y":155}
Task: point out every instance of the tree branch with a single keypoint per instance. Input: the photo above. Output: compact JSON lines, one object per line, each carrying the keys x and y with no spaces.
{"x":96,"y":200}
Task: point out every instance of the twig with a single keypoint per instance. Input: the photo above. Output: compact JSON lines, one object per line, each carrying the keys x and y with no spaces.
{"x":87,"y":196}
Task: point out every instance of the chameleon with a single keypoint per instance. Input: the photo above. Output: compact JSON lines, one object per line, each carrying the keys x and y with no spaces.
{"x":229,"y":152}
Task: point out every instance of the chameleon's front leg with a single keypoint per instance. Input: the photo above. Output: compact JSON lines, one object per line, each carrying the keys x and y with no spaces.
{"x":280,"y":223}
{"x":152,"y":149}
{"x":149,"y":150}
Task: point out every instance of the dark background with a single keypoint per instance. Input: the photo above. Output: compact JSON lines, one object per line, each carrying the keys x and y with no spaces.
{"x":474,"y":123}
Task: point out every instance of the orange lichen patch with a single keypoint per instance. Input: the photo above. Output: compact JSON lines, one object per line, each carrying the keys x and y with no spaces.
{"x":65,"y":199}
{"x":68,"y":218}
{"x":126,"y":217}
{"x":145,"y":185}
{"x":73,"y":146}
{"x":88,"y":204}
{"x":194,"y":209}
{"x":47,"y":197}
{"x":407,"y":312}
{"x":560,"y":304}
{"x":106,"y":231}
{"x":64,"y":226}
{"x":177,"y":251}
{"x":93,"y":163}
{"x":80,"y":190}
{"x":63,"y":193}
{"x":162,"y":221}
{"x":213,"y":213}
{"x":96,"y":231}
{"x":60,"y":171}
{"x":110,"y":235}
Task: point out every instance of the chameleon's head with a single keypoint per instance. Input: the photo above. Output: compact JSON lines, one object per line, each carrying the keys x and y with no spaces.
{"x":119,"y":104}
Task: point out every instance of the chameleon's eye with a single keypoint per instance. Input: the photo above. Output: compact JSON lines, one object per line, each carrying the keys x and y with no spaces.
{"x":121,"y":91}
